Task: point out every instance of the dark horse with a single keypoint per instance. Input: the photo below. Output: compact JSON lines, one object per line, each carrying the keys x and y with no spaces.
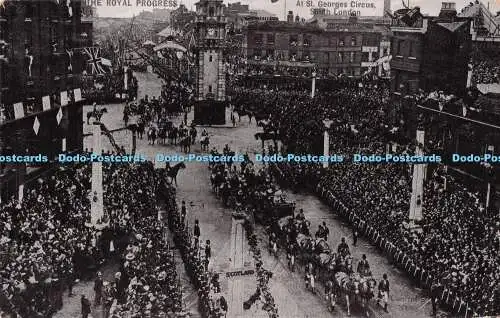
{"x":97,"y":114}
{"x":263,"y":136}
{"x":185,"y":144}
{"x":173,"y":171}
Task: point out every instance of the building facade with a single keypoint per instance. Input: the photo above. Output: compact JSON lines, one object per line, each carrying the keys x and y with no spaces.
{"x":210,"y":33}
{"x":40,"y":86}
{"x":430,"y":53}
{"x":349,"y":48}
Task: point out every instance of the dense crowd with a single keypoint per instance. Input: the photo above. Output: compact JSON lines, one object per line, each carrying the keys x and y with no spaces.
{"x":459,"y":243}
{"x":48,"y":243}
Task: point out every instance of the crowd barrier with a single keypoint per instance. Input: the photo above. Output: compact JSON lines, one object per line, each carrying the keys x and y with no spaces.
{"x":448,"y":298}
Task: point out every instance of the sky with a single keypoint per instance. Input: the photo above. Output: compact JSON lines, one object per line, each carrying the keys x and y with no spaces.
{"x":430,"y":7}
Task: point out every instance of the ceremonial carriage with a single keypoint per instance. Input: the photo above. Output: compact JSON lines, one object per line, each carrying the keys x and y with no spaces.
{"x":357,"y":287}
{"x":269,"y":210}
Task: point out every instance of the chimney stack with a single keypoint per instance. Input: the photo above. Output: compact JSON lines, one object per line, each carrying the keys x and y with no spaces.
{"x":448,"y":11}
{"x":289,"y":17}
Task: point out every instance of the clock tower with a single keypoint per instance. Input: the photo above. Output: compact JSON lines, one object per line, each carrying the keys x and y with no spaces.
{"x":210,"y":107}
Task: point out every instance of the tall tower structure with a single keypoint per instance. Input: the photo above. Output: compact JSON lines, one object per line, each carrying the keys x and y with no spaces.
{"x":211,"y":72}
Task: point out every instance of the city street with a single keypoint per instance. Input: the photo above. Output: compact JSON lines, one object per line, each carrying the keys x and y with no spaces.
{"x":288,"y":288}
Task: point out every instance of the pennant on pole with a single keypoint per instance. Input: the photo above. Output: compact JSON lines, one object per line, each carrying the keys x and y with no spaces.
{"x":18,"y":110}
{"x":46,"y":103}
{"x":59,"y":116}
{"x":36,"y":125}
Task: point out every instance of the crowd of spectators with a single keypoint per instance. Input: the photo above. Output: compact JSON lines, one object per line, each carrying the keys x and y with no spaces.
{"x":48,"y":243}
{"x":459,"y":242}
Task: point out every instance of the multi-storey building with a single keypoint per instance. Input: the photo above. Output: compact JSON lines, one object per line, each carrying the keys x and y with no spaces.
{"x":40,"y":96}
{"x":210,"y":32}
{"x":430,"y":53}
{"x":349,"y":47}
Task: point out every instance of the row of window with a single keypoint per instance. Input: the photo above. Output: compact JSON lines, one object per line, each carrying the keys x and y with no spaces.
{"x":405,"y":48}
{"x":294,"y":55}
{"x":293,"y":40}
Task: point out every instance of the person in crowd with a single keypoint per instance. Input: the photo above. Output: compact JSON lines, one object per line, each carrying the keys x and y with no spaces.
{"x":86,"y":307}
{"x":326,"y":231}
{"x":196,"y":233}
{"x":383,"y":288}
{"x":98,"y":284}
{"x":183,"y":212}
{"x":355,"y":235}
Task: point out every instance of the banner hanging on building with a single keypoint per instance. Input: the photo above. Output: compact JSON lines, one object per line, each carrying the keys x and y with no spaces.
{"x":46,"y":103}
{"x":18,"y":110}
{"x":78,"y":94}
{"x":64,"y":98}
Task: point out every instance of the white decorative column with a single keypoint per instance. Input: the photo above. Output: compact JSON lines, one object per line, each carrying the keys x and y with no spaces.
{"x":490,"y":149}
{"x":417,"y":192}
{"x":97,"y":207}
{"x":313,"y":85}
{"x":469,"y":75}
{"x":125,"y":78}
{"x":326,"y":141}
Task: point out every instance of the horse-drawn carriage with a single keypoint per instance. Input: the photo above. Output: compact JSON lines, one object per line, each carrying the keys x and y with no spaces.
{"x":272,"y":208}
{"x":356,"y":286}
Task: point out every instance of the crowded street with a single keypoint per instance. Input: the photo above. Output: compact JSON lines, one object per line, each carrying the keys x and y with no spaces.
{"x":215,"y":221}
{"x":216,"y":159}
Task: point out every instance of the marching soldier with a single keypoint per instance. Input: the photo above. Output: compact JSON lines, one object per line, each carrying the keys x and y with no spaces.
{"x":98,"y":284}
{"x":183,"y":212}
{"x":355,"y":235}
{"x":196,"y":232}
{"x":383,"y":292}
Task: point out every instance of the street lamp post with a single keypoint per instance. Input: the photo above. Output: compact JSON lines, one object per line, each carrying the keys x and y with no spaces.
{"x":326,"y":141}
{"x":313,"y":85}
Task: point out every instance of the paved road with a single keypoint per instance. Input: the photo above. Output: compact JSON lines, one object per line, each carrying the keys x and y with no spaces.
{"x":216,"y":224}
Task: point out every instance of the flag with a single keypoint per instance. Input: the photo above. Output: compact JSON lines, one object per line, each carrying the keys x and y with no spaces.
{"x":18,"y":110}
{"x":94,"y":61}
{"x":46,"y":102}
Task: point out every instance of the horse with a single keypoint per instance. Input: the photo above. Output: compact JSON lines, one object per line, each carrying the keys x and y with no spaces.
{"x":243,"y":112}
{"x":97,"y":114}
{"x":205,"y":143}
{"x":173,"y":171}
{"x":263,"y":136}
{"x":140,"y":128}
{"x":162,"y":135}
{"x":185,"y":144}
{"x":355,"y":289}
{"x":172,"y":135}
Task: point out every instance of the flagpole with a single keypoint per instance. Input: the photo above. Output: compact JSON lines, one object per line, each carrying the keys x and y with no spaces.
{"x":284,"y":13}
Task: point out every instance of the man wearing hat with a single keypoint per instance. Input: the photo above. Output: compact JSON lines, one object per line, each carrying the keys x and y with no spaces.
{"x":98,"y":283}
{"x":183,"y":212}
{"x":208,"y":254}
{"x":85,"y":306}
{"x":196,"y":232}
{"x":383,"y":289}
